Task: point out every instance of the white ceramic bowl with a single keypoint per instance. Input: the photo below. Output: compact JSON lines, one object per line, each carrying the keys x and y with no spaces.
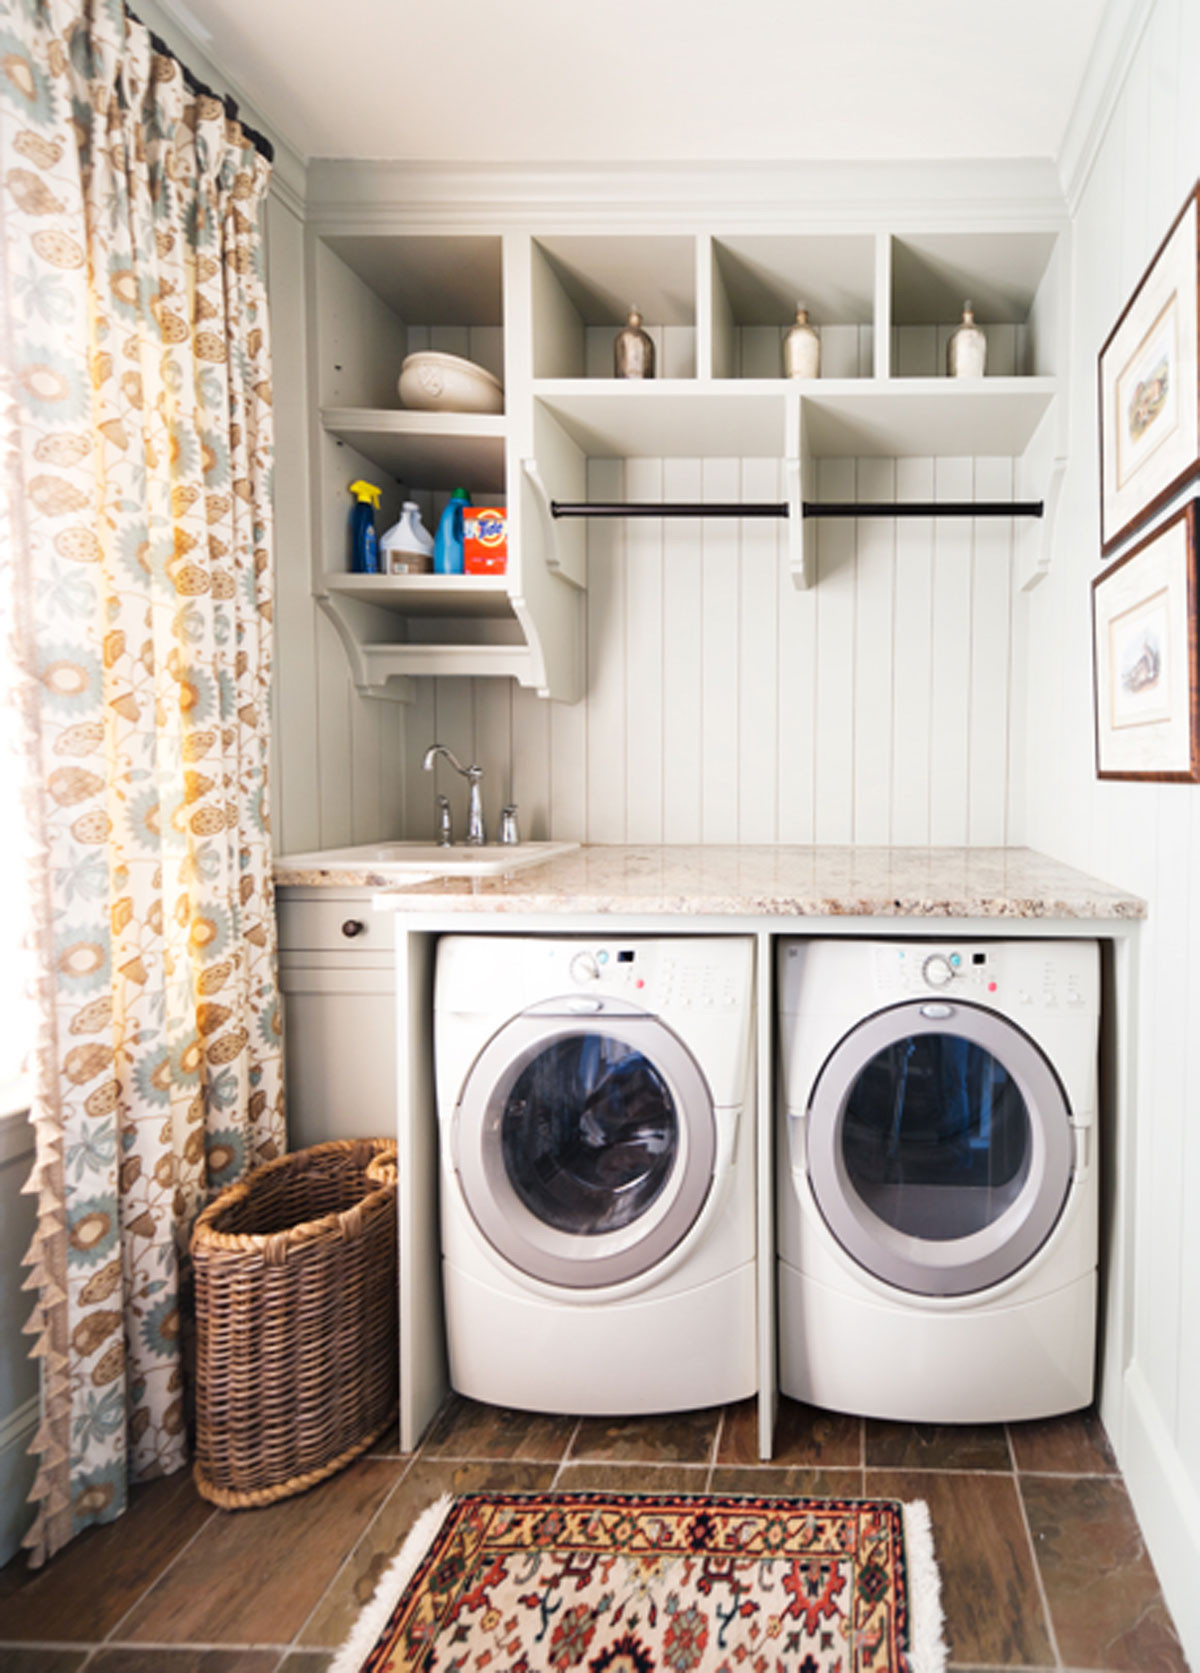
{"x":433,"y":382}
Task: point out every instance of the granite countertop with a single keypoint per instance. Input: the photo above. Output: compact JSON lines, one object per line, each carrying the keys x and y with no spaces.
{"x":763,"y":882}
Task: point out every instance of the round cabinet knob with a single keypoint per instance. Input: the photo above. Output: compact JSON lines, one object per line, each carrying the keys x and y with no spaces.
{"x":937,"y":970}
{"x":584,"y":968}
{"x":353,"y":927}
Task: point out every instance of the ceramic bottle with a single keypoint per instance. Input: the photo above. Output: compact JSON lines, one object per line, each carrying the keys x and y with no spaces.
{"x":966,"y":352}
{"x":633,"y":350}
{"x":802,"y":348}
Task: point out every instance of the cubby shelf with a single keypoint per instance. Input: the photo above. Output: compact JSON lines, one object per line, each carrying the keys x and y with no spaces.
{"x":540,"y":308}
{"x":425,"y":449}
{"x":427,"y":595}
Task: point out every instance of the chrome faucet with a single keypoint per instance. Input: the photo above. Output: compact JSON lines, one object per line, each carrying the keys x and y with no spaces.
{"x":473,"y":775}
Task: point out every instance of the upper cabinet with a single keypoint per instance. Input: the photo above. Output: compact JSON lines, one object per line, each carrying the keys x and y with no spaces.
{"x":540,"y":309}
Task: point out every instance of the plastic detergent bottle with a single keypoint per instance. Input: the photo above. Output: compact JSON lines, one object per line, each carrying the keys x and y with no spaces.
{"x":407,"y":547}
{"x":364,"y":548}
{"x":448,"y":547}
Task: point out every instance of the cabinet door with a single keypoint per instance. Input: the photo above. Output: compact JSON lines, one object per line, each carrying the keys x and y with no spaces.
{"x":339,"y":1054}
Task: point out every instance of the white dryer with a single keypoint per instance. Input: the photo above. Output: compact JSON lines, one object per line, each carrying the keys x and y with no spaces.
{"x":937,"y":1185}
{"x":597,"y":1170}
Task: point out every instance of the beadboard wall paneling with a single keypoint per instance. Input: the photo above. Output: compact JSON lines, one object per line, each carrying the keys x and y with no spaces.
{"x":722,"y":705}
{"x":1145,"y":836}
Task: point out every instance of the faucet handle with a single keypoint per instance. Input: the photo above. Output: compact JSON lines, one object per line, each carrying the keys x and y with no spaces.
{"x":509,"y":833}
{"x":445,"y":830}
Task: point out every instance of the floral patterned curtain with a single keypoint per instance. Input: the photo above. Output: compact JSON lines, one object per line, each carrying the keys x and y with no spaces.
{"x":137,"y":438}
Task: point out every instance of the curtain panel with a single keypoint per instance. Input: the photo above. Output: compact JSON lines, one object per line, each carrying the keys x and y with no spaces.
{"x":137,"y":438}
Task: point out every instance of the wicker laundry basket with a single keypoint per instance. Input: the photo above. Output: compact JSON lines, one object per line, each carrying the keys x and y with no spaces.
{"x":296,"y":1321}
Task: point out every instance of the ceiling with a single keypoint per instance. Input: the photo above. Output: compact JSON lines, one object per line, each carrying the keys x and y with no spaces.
{"x":540,"y":81}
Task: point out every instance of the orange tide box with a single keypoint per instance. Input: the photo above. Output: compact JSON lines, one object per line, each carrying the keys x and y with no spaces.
{"x":485,"y":540}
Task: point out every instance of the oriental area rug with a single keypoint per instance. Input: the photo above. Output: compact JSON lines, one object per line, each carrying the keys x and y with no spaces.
{"x":663,"y":1583}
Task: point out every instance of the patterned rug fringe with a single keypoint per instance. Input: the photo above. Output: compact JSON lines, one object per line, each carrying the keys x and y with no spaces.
{"x":927,"y":1651}
{"x":926,"y":1643}
{"x":392,"y":1581}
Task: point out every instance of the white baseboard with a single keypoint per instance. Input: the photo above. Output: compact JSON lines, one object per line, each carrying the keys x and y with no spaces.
{"x":1167,"y":1505}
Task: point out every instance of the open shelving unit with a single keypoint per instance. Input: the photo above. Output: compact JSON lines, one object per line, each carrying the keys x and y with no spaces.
{"x":540,"y":309}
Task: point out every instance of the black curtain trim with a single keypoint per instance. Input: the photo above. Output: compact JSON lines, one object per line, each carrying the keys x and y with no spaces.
{"x":194,"y":85}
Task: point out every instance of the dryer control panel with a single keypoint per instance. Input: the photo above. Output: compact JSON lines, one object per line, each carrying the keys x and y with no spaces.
{"x":1009,"y":975}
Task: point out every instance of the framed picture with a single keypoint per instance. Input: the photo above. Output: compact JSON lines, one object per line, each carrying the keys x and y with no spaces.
{"x":1150,"y":386}
{"x":1147,"y":667}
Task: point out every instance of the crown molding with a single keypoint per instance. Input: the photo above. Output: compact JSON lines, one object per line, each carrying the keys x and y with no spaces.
{"x":1122,"y":26}
{"x":347,"y":194}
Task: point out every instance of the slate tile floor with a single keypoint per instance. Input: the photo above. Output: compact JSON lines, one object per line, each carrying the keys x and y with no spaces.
{"x":1042,"y":1562}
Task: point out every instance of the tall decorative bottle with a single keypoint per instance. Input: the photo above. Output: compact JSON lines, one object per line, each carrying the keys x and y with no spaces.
{"x":802,"y":348}
{"x":633,"y":350}
{"x":966,"y":352}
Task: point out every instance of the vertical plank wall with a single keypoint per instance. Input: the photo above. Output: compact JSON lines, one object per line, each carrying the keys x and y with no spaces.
{"x":338,"y":761}
{"x":723,"y":705}
{"x":1143,"y":836}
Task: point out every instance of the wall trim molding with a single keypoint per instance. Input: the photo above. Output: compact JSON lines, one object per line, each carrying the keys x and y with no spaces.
{"x":20,"y":1424}
{"x":1166,"y":1504}
{"x":344,"y":194}
{"x":1121,"y":29}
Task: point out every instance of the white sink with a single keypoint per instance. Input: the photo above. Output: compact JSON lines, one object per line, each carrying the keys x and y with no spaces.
{"x":427,"y":859}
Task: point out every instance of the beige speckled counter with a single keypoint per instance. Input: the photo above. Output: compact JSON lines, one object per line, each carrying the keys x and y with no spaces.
{"x":753,"y":882}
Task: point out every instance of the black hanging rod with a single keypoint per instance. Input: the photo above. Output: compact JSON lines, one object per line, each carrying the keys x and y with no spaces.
{"x":841,"y":508}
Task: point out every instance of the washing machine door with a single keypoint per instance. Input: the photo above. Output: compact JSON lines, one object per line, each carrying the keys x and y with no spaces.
{"x":584,"y":1141}
{"x":939,"y":1147}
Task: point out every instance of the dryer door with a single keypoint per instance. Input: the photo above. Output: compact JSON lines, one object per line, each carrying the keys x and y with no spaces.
{"x":584,"y":1142}
{"x":939,"y":1147}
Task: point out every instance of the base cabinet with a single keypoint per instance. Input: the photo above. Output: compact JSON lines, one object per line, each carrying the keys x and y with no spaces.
{"x":337,"y":977}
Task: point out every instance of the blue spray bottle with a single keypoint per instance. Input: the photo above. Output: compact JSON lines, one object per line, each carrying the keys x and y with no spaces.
{"x":448,"y":542}
{"x":364,"y":545}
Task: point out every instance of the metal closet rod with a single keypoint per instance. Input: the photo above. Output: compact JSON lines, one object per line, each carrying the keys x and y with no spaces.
{"x":840,"y":508}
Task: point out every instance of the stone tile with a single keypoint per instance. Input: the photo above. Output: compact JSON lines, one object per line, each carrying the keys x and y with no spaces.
{"x":1071,"y":1445}
{"x":671,"y":1438}
{"x":41,"y":1661}
{"x":79,"y":1596}
{"x":1100,"y":1583}
{"x":468,"y":1429}
{"x":425,"y":1481}
{"x":252,"y":1576}
{"x":935,"y":1446}
{"x":632,"y":1478}
{"x":789,"y":1481}
{"x":804,"y":1435}
{"x":124,"y":1658}
{"x":994,"y":1614}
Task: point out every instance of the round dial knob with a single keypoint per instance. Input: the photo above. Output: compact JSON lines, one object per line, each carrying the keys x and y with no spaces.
{"x":584,"y":968}
{"x":937,"y":970}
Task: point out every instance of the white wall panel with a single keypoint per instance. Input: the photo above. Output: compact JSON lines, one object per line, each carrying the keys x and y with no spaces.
{"x":1141,"y":835}
{"x":950,"y":687}
{"x":874,"y":638}
{"x":724,"y":705}
{"x":720,"y":610}
{"x":683,"y":678}
{"x":758,"y":665}
{"x":644,"y":657}
{"x":834,"y":714}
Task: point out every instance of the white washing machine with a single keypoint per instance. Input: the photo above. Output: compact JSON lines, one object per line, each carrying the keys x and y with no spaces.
{"x":597,"y":1170}
{"x":937,"y":1188}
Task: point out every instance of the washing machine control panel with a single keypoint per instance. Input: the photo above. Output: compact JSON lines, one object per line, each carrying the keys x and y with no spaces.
{"x":988,"y":975}
{"x":659,"y":977}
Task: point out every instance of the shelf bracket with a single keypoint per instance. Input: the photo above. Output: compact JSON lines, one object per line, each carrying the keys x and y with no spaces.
{"x":557,"y":560}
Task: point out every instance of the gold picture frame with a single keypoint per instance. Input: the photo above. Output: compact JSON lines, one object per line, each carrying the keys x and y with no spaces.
{"x":1146,"y":662}
{"x":1149,"y":373}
